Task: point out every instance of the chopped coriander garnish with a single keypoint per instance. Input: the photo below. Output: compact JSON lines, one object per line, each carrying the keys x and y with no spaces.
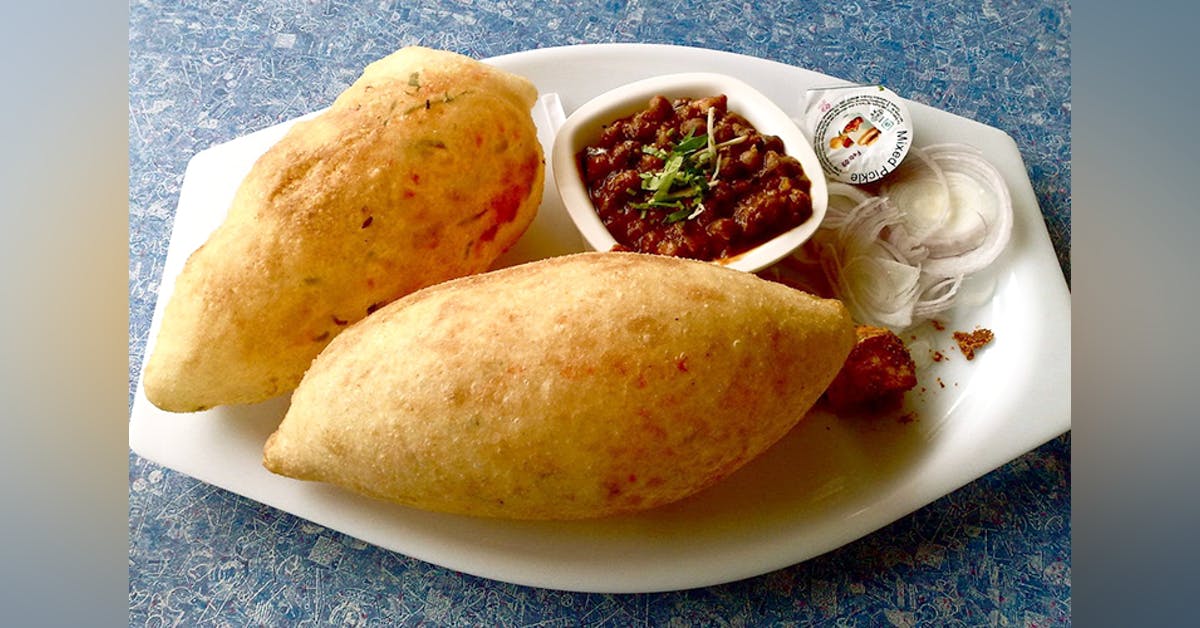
{"x":689,"y":169}
{"x":656,"y":151}
{"x":682,"y":214}
{"x":691,"y":144}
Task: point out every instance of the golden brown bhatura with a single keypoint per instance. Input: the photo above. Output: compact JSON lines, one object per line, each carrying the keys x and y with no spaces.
{"x":577,"y":386}
{"x":426,"y":168}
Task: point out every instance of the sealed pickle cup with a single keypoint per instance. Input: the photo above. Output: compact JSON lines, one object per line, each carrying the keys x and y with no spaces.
{"x":860,"y":133}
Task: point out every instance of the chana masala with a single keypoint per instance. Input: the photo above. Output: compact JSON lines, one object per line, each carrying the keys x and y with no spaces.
{"x":689,"y":178}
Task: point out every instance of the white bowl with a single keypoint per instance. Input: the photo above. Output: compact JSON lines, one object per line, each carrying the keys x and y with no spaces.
{"x":583,"y":127}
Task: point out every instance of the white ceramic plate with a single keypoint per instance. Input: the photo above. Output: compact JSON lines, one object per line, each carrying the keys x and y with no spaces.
{"x":827,"y":483}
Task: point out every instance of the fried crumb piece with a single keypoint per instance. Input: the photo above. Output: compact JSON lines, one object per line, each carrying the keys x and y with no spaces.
{"x":971,"y":342}
{"x":877,"y":373}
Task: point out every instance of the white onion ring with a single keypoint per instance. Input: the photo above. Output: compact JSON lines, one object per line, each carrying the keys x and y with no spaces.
{"x":890,"y":276}
{"x":971,"y":163}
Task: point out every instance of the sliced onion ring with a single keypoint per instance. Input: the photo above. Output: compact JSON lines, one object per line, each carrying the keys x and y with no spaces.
{"x":896,"y":271}
{"x":969,"y":162}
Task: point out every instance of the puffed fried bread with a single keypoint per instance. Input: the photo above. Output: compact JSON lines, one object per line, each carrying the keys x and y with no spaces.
{"x":573,"y":387}
{"x":426,"y":168}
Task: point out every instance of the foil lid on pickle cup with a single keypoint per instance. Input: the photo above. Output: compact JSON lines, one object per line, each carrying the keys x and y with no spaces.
{"x":859,"y":132}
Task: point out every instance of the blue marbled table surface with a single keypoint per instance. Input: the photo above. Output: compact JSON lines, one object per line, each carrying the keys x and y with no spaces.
{"x":995,"y":552}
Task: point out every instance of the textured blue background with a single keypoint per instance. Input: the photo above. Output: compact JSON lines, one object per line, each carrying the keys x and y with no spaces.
{"x":994,"y":552}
